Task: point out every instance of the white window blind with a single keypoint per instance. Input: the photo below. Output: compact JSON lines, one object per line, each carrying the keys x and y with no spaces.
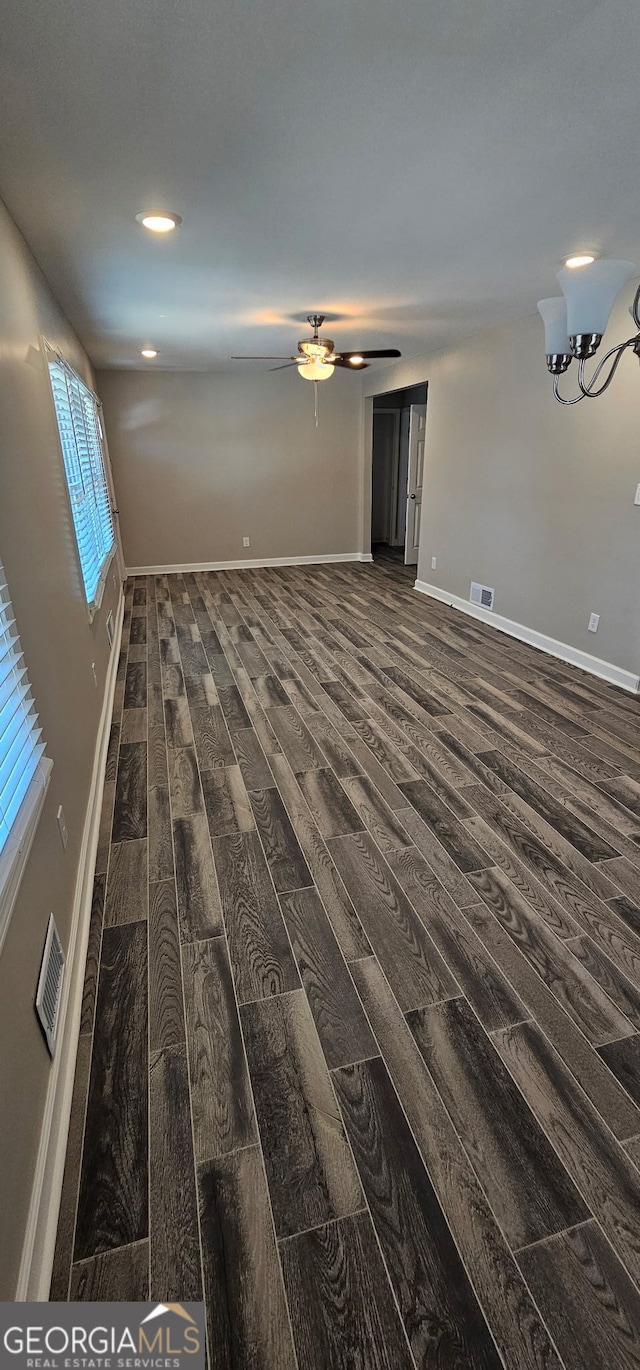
{"x":81,"y":441}
{"x":20,"y":744}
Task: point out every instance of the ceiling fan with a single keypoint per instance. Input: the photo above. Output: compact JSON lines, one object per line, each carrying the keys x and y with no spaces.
{"x":316,"y":359}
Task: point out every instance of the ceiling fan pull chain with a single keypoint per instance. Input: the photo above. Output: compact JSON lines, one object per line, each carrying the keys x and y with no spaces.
{"x":315,"y":401}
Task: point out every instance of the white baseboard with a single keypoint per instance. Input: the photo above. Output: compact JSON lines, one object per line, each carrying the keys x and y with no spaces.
{"x":315,"y":560}
{"x":593,"y":664}
{"x":36,"y":1264}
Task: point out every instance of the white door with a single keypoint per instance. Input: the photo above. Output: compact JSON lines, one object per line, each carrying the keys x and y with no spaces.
{"x":417,"y":429}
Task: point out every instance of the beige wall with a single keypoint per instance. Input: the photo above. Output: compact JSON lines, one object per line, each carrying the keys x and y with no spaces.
{"x":530,"y":498}
{"x":201,"y":460}
{"x":38,"y":551}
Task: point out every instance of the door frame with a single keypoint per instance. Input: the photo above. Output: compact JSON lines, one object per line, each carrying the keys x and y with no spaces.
{"x":412,"y":379}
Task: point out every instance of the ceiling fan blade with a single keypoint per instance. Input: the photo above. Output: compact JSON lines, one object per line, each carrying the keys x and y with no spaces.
{"x":340,"y":361}
{"x":385,"y":352}
{"x":284,"y":366}
{"x":277,"y":357}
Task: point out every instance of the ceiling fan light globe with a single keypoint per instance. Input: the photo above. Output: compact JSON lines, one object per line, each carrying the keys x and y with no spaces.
{"x":315,"y":370}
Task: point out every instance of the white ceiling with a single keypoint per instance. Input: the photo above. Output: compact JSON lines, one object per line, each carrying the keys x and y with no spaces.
{"x":414,"y":168}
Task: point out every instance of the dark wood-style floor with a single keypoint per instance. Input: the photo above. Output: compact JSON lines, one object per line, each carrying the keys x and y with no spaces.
{"x":360,"y":1049}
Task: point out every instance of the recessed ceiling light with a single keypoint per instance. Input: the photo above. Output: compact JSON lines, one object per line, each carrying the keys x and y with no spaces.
{"x":356,"y":361}
{"x":149,"y":352}
{"x":158,"y":220}
{"x":581,"y":259}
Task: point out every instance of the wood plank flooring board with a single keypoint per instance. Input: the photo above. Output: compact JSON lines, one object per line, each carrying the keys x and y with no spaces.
{"x":211,"y":737}
{"x":201,"y":691}
{"x":166,"y":1013}
{"x":601,"y":1170}
{"x":588,"y":801}
{"x":252,"y":761}
{"x":617,"y":986}
{"x":226,"y":801}
{"x":177,"y":717}
{"x":528,"y":1188}
{"x":380,"y":776}
{"x":623,"y":1058}
{"x":295,"y":740}
{"x":583,"y":1060}
{"x":173,"y":1214}
{"x":63,"y":1253}
{"x":160,"y":843}
{"x":487,"y":989}
{"x":390,"y":758}
{"x":441,"y":1315}
{"x":331,"y":808}
{"x":382,"y":822}
{"x":342,"y":1027}
{"x":92,"y":962}
{"x":346,"y":925}
{"x":625,"y":876}
{"x":289,"y":870}
{"x":122,"y":1275}
{"x":591,"y":1306}
{"x":514,"y":1321}
{"x":127,"y":897}
{"x":261,"y":956}
{"x":199,"y":911}
{"x":113,"y":1197}
{"x":626,"y":791}
{"x":222,"y":1106}
{"x":334,"y":745}
{"x":184,"y":783}
{"x":310,"y":1171}
{"x":583,"y":838}
{"x":414,"y":967}
{"x":247,"y":1317}
{"x":135,"y":685}
{"x":232,"y":705}
{"x":450,"y":832}
{"x":568,"y":876}
{"x":439,"y":861}
{"x":562,"y":971}
{"x":522,"y":876}
{"x":130,"y":807}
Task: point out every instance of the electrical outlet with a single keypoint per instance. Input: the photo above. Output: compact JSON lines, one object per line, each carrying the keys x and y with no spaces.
{"x":62,"y":824}
{"x":95,"y":674}
{"x":433,"y":563}
{"x":637,"y":498}
{"x":246,"y":542}
{"x":594,"y":620}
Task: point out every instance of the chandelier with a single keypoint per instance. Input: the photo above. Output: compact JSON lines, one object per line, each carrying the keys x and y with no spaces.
{"x":575,"y":321}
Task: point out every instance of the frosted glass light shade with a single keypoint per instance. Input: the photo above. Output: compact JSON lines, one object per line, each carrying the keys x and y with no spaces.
{"x":590,"y":294}
{"x":554,"y":315}
{"x":316,"y":371}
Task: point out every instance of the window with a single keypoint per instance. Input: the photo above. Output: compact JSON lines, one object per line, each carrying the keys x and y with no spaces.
{"x":24,"y":769}
{"x":81,"y":441}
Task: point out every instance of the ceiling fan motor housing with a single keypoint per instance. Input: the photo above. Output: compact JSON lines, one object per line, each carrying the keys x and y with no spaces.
{"x":316,"y":347}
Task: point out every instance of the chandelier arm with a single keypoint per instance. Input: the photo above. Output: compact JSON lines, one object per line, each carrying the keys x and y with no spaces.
{"x":635,"y":308}
{"x":559,"y":397}
{"x":619,"y":352}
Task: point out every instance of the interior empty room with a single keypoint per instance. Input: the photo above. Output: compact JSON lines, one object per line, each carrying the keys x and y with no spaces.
{"x":320,"y":691}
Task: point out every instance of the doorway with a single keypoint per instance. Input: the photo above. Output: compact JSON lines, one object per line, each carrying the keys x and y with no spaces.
{"x":399,"y":421}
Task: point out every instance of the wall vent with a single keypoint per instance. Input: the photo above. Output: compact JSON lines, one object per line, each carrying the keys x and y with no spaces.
{"x":49,"y":990}
{"x":110,"y":628}
{"x":482,"y":595}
